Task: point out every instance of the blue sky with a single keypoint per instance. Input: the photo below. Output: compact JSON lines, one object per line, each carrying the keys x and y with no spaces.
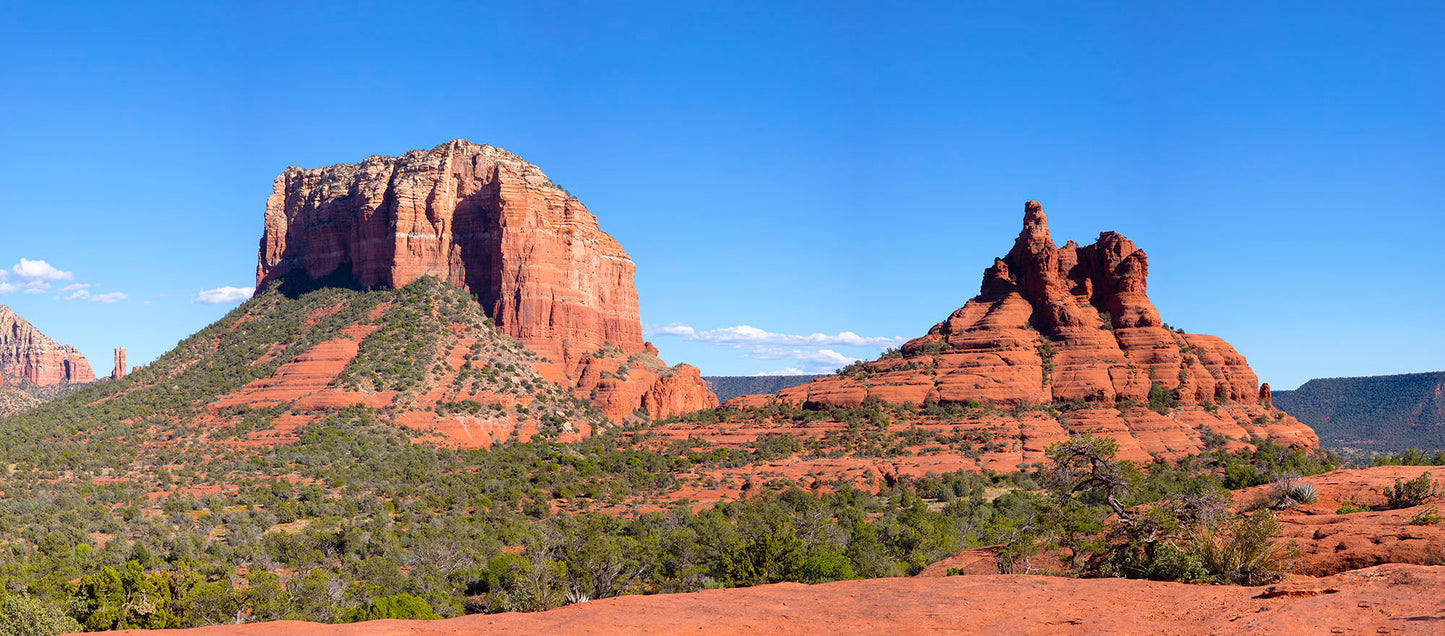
{"x":830,"y":168}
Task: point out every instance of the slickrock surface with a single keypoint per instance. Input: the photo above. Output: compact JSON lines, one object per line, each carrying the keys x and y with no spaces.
{"x":120,"y":369}
{"x":1069,"y":324}
{"x":26,"y":355}
{"x":484,"y":220}
{"x":1390,"y":599}
{"x":1329,"y":542}
{"x":1325,"y":541}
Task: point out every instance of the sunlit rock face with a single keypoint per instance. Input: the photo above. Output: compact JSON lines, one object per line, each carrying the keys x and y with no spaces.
{"x":484,"y":220}
{"x":27,"y":356}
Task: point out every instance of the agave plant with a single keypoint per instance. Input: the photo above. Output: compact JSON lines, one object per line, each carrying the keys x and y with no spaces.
{"x":1304,"y":493}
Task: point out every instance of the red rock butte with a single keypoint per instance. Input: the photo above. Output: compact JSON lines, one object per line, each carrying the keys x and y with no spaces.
{"x":1069,"y":324}
{"x":482,"y":219}
{"x":26,"y":355}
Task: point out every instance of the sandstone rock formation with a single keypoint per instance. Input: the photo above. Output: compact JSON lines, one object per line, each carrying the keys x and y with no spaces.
{"x":120,"y":369}
{"x":1070,"y":325}
{"x":484,"y":220}
{"x":27,"y":356}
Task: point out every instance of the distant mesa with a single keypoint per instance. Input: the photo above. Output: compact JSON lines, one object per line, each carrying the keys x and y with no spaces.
{"x":486,"y":221}
{"x":728,"y":387}
{"x":1363,"y":415}
{"x":1065,"y":325}
{"x":29,"y":357}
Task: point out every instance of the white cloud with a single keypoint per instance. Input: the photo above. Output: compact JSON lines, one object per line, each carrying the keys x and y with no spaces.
{"x":794,"y":371}
{"x":674,"y":329}
{"x":29,"y":270}
{"x":78,"y":291}
{"x":31,"y":277}
{"x":109,"y":298}
{"x":819,"y":357}
{"x":223,"y":295}
{"x":809,"y":354}
{"x":746,"y":335}
{"x":35,"y":277}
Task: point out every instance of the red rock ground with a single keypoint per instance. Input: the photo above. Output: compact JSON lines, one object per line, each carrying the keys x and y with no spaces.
{"x":1389,"y":599}
{"x":1328,"y":542}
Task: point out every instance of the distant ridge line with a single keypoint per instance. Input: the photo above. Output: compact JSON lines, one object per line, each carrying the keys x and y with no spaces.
{"x":728,"y":387}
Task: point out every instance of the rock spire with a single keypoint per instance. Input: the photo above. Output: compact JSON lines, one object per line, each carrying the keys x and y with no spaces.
{"x":120,"y":369}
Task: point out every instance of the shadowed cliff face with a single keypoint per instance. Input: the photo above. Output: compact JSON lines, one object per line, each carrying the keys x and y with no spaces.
{"x":484,"y":220}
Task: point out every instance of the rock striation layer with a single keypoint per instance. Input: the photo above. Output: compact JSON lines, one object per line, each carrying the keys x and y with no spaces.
{"x":1067,"y":325}
{"x":27,"y":356}
{"x":482,"y":219}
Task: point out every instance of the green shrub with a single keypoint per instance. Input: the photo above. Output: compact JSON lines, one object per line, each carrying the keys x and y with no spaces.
{"x":23,"y":615}
{"x":1349,"y":507}
{"x":1408,"y":494}
{"x":1161,"y":399}
{"x":1240,"y":551}
{"x":1305,"y":494}
{"x":402,"y":606}
{"x":1427,"y":517}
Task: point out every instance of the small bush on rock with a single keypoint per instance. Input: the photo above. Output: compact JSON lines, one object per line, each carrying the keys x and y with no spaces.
{"x":1427,"y":517}
{"x":1240,"y":551}
{"x":1408,"y":494}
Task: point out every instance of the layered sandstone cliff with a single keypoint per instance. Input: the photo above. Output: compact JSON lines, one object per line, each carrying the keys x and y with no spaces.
{"x":1072,"y":325}
{"x":27,"y":356}
{"x":484,"y":220}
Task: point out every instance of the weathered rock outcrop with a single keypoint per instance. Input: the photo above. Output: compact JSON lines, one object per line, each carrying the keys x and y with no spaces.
{"x":484,"y":220}
{"x":1074,"y":325}
{"x":26,"y":355}
{"x":120,"y":369}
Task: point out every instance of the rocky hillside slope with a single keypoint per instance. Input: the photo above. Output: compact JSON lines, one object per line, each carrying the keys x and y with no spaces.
{"x":1372,"y":414}
{"x":423,"y":355}
{"x":486,"y":221}
{"x":28,"y":357}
